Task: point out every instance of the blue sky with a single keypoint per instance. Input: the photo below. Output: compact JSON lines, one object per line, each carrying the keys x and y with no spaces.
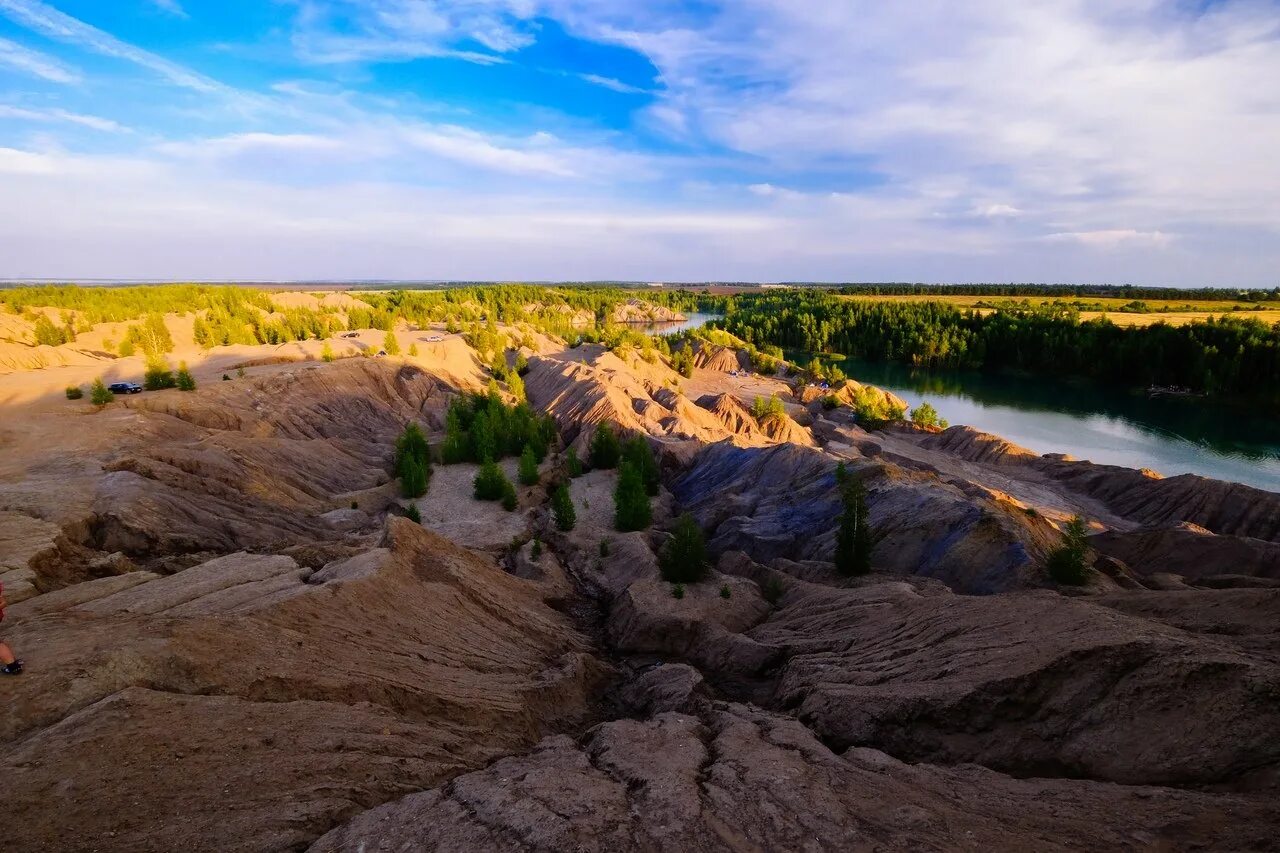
{"x":852,"y":140}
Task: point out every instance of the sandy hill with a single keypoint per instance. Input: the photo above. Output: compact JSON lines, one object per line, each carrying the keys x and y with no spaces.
{"x":235,"y":640}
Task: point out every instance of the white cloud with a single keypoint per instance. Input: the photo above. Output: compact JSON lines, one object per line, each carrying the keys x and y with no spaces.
{"x":351,"y":140}
{"x":472,"y":148}
{"x":996,"y":211}
{"x":1113,"y":239}
{"x":1084,"y":112}
{"x":615,"y":85}
{"x":153,"y":219}
{"x":774,"y":192}
{"x":242,"y":143}
{"x":58,"y":115}
{"x":16,"y":162}
{"x":38,"y":64}
{"x":69,"y":215}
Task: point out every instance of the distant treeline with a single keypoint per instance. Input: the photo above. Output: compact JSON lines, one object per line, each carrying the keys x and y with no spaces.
{"x":118,"y":304}
{"x":226,"y":315}
{"x":1221,"y":356}
{"x":512,"y":303}
{"x":1079,"y":291}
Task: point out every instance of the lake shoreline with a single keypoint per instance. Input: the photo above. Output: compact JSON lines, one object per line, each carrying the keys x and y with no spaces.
{"x":1218,"y":437}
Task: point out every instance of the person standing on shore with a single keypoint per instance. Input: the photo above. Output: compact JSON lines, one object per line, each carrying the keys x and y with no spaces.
{"x":9,"y":665}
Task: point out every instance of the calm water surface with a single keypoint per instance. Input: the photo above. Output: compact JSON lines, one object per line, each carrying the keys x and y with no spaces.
{"x":693,"y":320}
{"x":1169,"y":435}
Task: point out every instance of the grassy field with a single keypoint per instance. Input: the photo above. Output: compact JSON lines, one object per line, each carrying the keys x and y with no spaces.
{"x":1174,"y":313}
{"x":1179,"y":318}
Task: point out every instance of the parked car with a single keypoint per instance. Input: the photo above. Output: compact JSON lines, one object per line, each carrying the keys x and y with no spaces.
{"x":351,"y":334}
{"x":434,"y":338}
{"x":124,"y":388}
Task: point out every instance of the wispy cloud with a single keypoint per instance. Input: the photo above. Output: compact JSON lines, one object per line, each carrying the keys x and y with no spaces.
{"x":172,"y":7}
{"x":340,"y":31}
{"x":37,"y":64}
{"x":48,"y":21}
{"x":770,"y":191}
{"x":59,"y":115}
{"x":995,"y":211}
{"x":472,"y":148}
{"x":1113,"y":239}
{"x":248,"y":143}
{"x":615,"y":85}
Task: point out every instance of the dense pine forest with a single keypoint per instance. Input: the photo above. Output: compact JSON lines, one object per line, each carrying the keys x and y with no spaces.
{"x":1231,"y":356}
{"x":1075,"y":291}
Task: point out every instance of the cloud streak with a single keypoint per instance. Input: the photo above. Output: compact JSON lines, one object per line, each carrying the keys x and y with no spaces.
{"x":172,"y":7}
{"x":59,"y":115}
{"x":348,"y":31}
{"x":48,"y":21}
{"x":36,"y":64}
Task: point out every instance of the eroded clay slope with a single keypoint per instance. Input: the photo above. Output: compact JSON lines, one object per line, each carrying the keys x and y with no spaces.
{"x":1030,"y":683}
{"x":731,"y":777}
{"x":251,"y":704}
{"x":783,"y":501}
{"x":1139,"y":496}
{"x":264,"y":462}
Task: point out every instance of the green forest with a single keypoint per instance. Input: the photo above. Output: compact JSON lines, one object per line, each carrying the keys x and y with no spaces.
{"x":1231,"y":356}
{"x":1077,"y":291}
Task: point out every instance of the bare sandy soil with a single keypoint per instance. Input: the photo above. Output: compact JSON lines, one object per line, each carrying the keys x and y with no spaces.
{"x":450,"y":508}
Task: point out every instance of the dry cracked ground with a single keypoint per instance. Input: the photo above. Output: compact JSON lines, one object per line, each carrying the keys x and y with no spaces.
{"x":235,"y":642}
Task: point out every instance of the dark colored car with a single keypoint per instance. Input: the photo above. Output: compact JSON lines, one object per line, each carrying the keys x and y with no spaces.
{"x":124,"y":388}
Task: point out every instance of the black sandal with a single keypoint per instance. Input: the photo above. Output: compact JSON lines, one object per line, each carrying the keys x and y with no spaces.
{"x":14,"y":668}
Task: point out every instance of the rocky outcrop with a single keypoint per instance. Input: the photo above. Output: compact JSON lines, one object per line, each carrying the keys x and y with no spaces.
{"x":733,"y":415}
{"x":250,"y":704}
{"x":1139,"y":496}
{"x":783,"y":501}
{"x":847,"y":393}
{"x":251,"y":464}
{"x":581,"y":395}
{"x":736,"y":778}
{"x":26,"y":545}
{"x":1226,"y":508}
{"x":640,"y":311}
{"x":1029,"y":683}
{"x":783,"y":429}
{"x":976,"y":446}
{"x":738,"y":420}
{"x":709,"y":356}
{"x":704,"y":626}
{"x":1190,"y":551}
{"x":667,"y":687}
